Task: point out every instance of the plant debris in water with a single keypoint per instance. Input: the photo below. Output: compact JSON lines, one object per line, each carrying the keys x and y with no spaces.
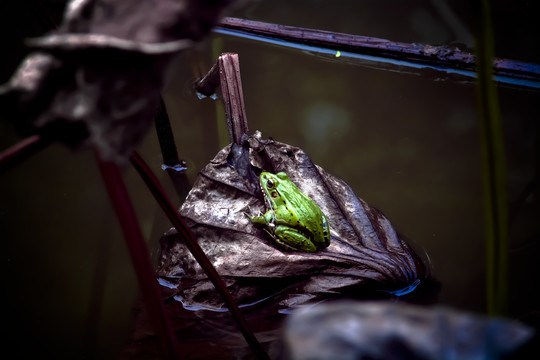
{"x":97,"y":78}
{"x":365,"y":257}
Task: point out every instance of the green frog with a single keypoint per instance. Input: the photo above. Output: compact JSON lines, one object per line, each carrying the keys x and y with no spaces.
{"x":293,"y":220}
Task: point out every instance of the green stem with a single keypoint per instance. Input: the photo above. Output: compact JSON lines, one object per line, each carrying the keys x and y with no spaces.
{"x":494,"y":169}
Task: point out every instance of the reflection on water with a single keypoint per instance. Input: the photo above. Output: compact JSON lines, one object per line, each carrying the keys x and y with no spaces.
{"x":327,"y":122}
{"x":408,"y":145}
{"x":179,"y":167}
{"x":207,"y":334}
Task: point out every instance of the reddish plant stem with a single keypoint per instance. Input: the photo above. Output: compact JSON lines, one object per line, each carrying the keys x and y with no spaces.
{"x":46,"y":16}
{"x":140,"y":257}
{"x":22,"y":151}
{"x":185,"y":233}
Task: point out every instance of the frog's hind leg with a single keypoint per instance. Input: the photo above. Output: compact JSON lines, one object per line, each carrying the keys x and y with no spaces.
{"x":293,"y":239}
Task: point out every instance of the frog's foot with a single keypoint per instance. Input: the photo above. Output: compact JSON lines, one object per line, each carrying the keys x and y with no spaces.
{"x":250,"y":216}
{"x":257,"y":219}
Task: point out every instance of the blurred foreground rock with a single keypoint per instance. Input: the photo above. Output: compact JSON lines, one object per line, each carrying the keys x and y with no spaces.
{"x":392,"y":331}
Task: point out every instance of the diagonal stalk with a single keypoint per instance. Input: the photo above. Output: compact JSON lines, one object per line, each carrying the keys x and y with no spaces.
{"x":185,"y":233}
{"x":21,"y":151}
{"x":140,"y":257}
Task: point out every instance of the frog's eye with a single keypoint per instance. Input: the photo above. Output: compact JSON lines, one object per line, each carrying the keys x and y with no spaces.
{"x":270,"y":183}
{"x":282,"y":175}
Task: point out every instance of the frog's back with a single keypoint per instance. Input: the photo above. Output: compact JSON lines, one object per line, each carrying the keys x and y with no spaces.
{"x":309,"y":215}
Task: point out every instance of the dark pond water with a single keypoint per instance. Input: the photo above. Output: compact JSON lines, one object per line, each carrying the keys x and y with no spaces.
{"x":407,"y":144}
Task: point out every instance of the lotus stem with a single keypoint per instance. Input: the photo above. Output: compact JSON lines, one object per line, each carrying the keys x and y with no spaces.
{"x":22,"y":151}
{"x":140,"y":257}
{"x":185,"y":233}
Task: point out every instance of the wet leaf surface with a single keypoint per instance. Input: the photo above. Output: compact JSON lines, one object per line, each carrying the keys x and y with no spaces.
{"x":366,"y":258}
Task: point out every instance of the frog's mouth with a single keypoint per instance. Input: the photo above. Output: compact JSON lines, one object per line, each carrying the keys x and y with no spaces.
{"x":271,"y":224}
{"x":266,"y":198}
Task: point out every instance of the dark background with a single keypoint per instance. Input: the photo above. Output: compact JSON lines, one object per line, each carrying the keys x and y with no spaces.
{"x":407,"y":144}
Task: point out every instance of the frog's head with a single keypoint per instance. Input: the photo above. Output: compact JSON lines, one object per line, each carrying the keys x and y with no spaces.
{"x":273,"y":186}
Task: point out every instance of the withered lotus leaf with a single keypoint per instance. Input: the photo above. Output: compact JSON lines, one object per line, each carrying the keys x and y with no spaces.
{"x":96,"y":80}
{"x":366,"y":257}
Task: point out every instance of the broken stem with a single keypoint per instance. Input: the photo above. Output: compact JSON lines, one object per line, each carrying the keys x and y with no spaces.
{"x":226,"y":72}
{"x":209,"y":82}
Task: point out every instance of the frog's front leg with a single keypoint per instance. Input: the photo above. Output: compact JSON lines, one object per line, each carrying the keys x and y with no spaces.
{"x":293,"y":239}
{"x":267,"y":219}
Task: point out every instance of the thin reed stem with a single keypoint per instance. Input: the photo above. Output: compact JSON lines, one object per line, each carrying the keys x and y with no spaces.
{"x":494,"y":170}
{"x":21,"y":151}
